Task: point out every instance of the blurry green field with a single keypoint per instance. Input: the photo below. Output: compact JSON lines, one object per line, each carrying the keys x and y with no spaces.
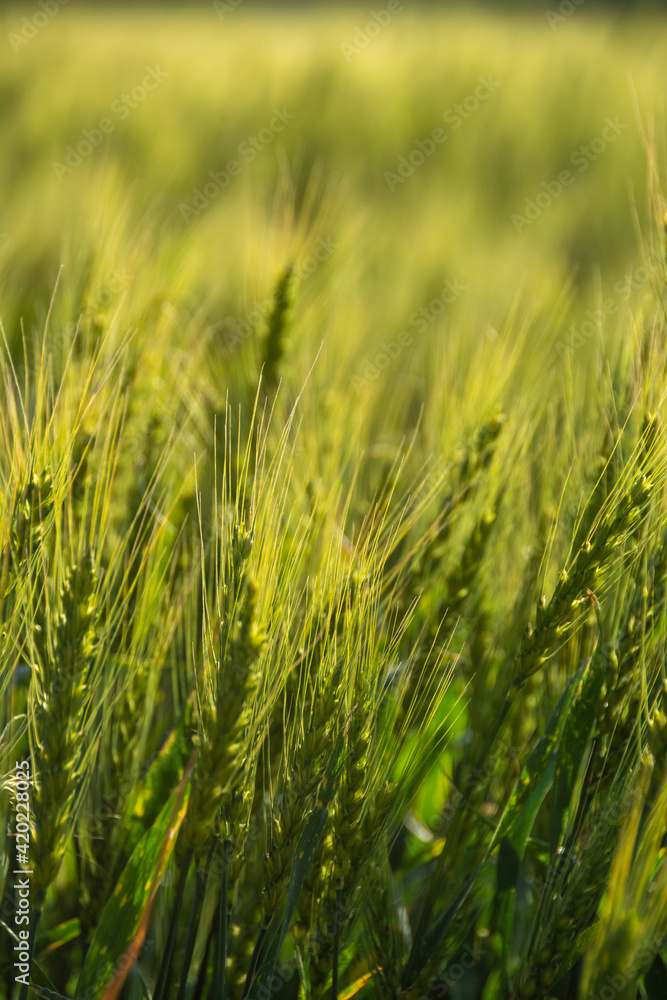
{"x":116,"y":222}
{"x":354,"y":116}
{"x":139,"y":247}
{"x":338,"y":356}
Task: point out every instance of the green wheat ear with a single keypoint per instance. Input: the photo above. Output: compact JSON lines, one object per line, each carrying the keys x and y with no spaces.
{"x":557,"y":618}
{"x":64,"y":642}
{"x":226,"y":704}
{"x":273,"y":348}
{"x":35,"y":505}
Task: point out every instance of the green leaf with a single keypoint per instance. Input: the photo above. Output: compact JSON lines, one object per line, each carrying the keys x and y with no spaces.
{"x":308,"y":843}
{"x":533,"y":772}
{"x":577,"y":734}
{"x":655,"y":980}
{"x":563,"y":963}
{"x":508,"y":866}
{"x":41,"y":991}
{"x":289,"y":989}
{"x":425,"y":947}
{"x":125,"y":915}
{"x":149,"y":796}
{"x":57,"y":936}
{"x":515,"y":826}
{"x":519,"y":816}
{"x":514,"y":847}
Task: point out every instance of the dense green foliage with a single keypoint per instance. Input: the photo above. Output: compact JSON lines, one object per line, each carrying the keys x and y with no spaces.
{"x":333,"y":506}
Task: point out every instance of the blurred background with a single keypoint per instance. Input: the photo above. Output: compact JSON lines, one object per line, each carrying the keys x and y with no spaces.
{"x":192,"y":150}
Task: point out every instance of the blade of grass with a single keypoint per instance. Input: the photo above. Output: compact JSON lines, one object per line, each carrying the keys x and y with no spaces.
{"x":124,"y":921}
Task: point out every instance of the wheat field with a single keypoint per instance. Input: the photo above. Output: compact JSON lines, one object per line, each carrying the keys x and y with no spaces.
{"x":333,"y":503}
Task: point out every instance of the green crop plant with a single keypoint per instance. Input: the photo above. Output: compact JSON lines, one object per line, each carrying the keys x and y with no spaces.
{"x":333,"y":605}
